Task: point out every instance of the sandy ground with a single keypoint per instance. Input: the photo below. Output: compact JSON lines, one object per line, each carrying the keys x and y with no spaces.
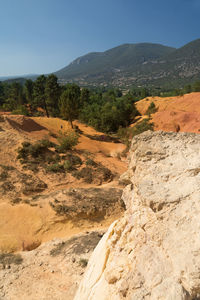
{"x":30,"y":223}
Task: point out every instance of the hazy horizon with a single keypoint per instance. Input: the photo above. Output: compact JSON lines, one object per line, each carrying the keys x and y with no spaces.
{"x":43,"y":37}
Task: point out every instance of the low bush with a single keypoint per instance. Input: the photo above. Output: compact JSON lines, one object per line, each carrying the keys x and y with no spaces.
{"x":83,"y":262}
{"x":67,"y":141}
{"x":37,"y":150}
{"x":10,"y":258}
{"x":3,"y":175}
{"x":56,"y":168}
{"x":68,"y":166}
{"x":91,"y":162}
{"x":126,"y":134}
{"x":86,"y":174}
{"x":74,"y":159}
{"x":7,"y":168}
{"x":142,"y":126}
{"x":21,"y":110}
{"x":16,"y":200}
{"x":151,"y":109}
{"x":7,"y":186}
{"x":105,"y":173}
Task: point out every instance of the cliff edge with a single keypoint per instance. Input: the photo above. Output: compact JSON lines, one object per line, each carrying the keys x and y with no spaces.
{"x":153,"y":252}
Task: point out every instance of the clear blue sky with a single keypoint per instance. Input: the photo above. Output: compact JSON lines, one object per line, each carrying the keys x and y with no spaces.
{"x":42,"y":36}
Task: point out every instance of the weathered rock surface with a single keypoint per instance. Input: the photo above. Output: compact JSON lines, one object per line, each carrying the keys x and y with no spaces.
{"x":153,"y":252}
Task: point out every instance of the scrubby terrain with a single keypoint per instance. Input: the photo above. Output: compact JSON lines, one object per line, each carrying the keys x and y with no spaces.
{"x":45,"y":190}
{"x":57,"y":200}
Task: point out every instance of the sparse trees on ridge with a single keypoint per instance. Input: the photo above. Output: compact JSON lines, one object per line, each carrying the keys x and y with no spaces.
{"x":39,"y":93}
{"x":52,"y":94}
{"x":70,"y":103}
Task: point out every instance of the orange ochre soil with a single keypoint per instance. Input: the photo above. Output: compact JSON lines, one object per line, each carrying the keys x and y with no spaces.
{"x":181,"y":113}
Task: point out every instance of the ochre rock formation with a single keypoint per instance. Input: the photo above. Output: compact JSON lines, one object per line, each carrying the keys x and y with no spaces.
{"x":153,"y":252}
{"x":178,"y":113}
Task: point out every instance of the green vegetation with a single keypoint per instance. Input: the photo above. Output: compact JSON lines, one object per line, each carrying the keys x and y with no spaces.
{"x":151,"y":109}
{"x":70,"y":102}
{"x":126,"y":134}
{"x":83,"y":262}
{"x":144,"y":64}
{"x":45,"y":154}
{"x":52,"y":158}
{"x":56,"y":168}
{"x":3,"y":175}
{"x":142,"y":126}
{"x":105,"y":109}
{"x":10,"y":258}
{"x":127,"y":56}
{"x":67,"y":141}
{"x":94,"y":172}
{"x":106,"y":112}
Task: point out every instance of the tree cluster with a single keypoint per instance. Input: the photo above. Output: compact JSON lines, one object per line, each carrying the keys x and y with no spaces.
{"x":104,"y":109}
{"x":43,"y":93}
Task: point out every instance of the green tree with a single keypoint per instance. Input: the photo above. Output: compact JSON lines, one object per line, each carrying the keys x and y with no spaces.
{"x":151,"y":109}
{"x":196,"y":86}
{"x":85,"y":96}
{"x":39,"y":93}
{"x":14,"y":96}
{"x":52,"y":94}
{"x":28,"y":88}
{"x":70,"y":103}
{"x":2,"y":94}
{"x":188,"y":88}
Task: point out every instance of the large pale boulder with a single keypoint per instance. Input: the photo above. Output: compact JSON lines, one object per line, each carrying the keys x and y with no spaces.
{"x":153,"y":252}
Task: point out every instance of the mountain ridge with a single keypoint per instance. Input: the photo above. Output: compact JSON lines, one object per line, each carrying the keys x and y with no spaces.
{"x":135,"y":64}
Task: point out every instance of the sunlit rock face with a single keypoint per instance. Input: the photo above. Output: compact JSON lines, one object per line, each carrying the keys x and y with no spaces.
{"x":153,"y":252}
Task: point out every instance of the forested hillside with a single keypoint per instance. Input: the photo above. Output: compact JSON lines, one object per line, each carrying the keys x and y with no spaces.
{"x":136,"y":64}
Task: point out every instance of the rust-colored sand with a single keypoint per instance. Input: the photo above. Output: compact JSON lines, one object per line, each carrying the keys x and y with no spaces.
{"x":24,"y":225}
{"x":181,"y":113}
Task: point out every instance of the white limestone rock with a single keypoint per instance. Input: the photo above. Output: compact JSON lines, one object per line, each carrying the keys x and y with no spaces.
{"x":153,"y":252}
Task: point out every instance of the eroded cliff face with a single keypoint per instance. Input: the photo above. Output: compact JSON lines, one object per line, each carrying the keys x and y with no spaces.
{"x":153,"y":252}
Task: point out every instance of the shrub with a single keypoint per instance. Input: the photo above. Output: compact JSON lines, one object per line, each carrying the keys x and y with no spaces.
{"x":72,"y":162}
{"x":7,"y":186}
{"x":144,"y":125}
{"x":56,"y":168}
{"x":105,"y":172}
{"x":21,"y":110}
{"x":67,"y":141}
{"x":7,"y":168}
{"x":83,"y":262}
{"x":34,"y":150}
{"x":151,"y":109}
{"x":68,"y":166}
{"x":9,"y":258}
{"x":3,"y":175}
{"x":85,"y":173}
{"x":126,"y":134}
{"x":74,"y":159}
{"x":91,"y":162}
{"x":16,"y":200}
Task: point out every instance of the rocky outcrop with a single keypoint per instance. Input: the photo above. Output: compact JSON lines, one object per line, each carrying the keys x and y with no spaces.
{"x":153,"y":252}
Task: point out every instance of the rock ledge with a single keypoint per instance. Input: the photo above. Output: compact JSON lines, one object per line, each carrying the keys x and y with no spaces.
{"x":153,"y":252}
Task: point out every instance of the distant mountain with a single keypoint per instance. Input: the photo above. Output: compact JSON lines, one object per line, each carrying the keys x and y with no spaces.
{"x":136,"y":64}
{"x":21,"y":79}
